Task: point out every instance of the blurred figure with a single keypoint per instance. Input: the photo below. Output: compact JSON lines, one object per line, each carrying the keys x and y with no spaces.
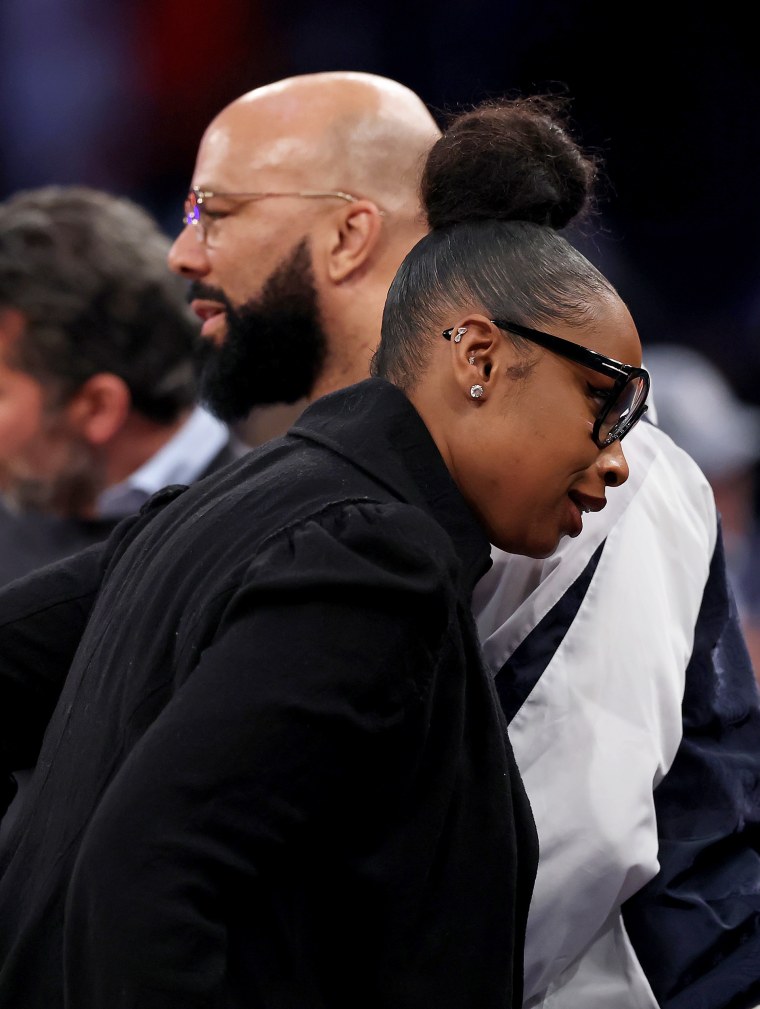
{"x":698,"y":407}
{"x":99,"y":355}
{"x":98,"y":372}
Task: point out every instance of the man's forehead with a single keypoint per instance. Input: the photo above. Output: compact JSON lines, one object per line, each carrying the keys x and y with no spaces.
{"x":237,"y":153}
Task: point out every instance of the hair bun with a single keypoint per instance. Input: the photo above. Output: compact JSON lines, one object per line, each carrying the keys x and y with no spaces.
{"x":508,"y":160}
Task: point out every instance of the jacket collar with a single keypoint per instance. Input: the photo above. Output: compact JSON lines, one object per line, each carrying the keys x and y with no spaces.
{"x":375,"y":426}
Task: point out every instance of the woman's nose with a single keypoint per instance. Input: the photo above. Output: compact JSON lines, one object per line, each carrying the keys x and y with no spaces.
{"x":614,"y":464}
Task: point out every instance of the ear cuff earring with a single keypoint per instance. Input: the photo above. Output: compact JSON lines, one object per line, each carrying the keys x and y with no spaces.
{"x":460,"y":333}
{"x":476,"y":391}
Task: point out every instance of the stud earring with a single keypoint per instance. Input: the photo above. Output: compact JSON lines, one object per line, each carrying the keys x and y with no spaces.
{"x":460,"y":333}
{"x":476,"y":391}
{"x":471,"y":359}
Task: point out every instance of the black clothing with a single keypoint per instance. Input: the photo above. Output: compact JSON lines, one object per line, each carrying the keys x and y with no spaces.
{"x":278,"y":774}
{"x":30,"y":540}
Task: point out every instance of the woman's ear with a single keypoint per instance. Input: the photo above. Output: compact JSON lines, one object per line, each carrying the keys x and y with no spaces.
{"x":99,"y":408}
{"x":476,"y":350}
{"x":354,"y":237}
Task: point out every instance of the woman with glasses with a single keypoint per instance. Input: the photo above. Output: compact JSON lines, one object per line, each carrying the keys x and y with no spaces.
{"x":528,"y":422}
{"x":277,"y":773}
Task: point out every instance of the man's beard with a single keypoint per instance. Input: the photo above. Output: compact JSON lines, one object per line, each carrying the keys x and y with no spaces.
{"x":274,"y":346}
{"x":69,"y":490}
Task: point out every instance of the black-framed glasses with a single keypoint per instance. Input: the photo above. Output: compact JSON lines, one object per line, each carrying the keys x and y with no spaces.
{"x":626,"y":402}
{"x":196,"y":197}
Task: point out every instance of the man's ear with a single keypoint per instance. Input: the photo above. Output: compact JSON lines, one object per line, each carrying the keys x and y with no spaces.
{"x":355,"y":236}
{"x":99,"y":408}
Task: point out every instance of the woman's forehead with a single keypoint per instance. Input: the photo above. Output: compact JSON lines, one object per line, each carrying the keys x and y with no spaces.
{"x":608,"y":329}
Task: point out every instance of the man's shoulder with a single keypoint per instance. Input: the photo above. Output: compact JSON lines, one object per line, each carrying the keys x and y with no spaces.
{"x":233,"y":449}
{"x":32,"y":540}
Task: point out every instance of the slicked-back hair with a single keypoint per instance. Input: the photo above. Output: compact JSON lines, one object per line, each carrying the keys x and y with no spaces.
{"x":506,"y":269}
{"x":88,"y":271}
{"x":497,"y":188}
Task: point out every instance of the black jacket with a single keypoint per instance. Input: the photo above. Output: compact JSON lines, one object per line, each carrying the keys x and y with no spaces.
{"x":277,"y":775}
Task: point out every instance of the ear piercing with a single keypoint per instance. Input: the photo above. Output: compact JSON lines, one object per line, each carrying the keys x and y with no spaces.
{"x":476,"y":391}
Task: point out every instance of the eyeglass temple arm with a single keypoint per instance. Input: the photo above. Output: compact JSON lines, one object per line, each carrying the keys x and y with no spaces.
{"x":566,"y":348}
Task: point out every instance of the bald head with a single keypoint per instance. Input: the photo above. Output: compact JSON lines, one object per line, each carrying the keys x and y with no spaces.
{"x":354,"y":132}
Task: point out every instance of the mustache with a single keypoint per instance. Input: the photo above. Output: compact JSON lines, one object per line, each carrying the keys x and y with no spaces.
{"x":198,"y":291}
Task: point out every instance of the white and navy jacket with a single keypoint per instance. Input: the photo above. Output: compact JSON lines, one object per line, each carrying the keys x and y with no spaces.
{"x":635,"y":720}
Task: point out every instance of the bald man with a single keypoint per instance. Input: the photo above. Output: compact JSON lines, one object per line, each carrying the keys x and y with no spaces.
{"x":303,"y":203}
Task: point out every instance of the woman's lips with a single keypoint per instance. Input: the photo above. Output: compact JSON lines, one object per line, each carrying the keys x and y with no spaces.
{"x":587,"y":503}
{"x":580,"y":504}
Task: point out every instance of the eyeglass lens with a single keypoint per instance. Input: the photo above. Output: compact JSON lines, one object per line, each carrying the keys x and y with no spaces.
{"x":192,"y":213}
{"x":623,"y":410}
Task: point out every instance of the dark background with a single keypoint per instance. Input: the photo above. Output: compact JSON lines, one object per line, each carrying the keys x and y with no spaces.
{"x":116,"y":94}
